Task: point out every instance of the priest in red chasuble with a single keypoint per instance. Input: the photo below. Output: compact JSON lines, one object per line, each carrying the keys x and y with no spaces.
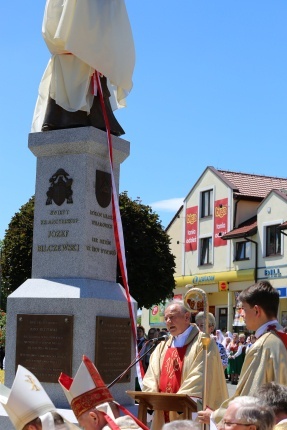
{"x":176,"y":365}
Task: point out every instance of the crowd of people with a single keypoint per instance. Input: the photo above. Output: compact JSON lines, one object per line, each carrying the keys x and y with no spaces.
{"x":250,"y":361}
{"x":232,"y":347}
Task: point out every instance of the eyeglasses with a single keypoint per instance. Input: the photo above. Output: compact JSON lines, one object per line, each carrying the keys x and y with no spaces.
{"x":229,"y":424}
{"x":203,"y":325}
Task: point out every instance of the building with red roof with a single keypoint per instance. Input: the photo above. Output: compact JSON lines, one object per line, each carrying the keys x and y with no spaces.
{"x":229,"y":233}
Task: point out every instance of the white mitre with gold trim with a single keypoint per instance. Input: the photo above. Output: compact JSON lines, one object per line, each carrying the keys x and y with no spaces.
{"x":27,"y":400}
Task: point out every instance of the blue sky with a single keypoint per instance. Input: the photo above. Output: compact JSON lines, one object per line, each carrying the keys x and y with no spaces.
{"x":210,"y":88}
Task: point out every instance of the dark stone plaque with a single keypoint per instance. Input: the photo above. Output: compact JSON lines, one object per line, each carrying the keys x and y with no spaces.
{"x":113,"y":347}
{"x":44,"y":345}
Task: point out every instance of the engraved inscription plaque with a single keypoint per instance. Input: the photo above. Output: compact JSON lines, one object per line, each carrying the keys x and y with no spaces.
{"x":44,"y":345}
{"x":113,"y":347}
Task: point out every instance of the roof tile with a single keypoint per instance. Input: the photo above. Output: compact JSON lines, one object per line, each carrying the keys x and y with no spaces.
{"x":254,"y":185}
{"x":247,"y":228}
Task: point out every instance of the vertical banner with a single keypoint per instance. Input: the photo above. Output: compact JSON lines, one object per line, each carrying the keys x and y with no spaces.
{"x":191,"y":229}
{"x":220,"y":221}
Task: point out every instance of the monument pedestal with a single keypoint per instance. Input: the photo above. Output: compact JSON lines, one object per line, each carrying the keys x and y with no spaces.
{"x":74,"y":265}
{"x":73,"y":226}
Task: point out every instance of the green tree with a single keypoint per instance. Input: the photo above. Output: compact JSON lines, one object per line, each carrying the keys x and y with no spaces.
{"x":16,"y":258}
{"x":150,"y":265}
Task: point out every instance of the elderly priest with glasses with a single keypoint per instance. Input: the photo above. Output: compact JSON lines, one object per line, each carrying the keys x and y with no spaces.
{"x":176,"y":365}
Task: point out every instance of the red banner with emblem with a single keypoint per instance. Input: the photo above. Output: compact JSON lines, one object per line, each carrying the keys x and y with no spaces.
{"x":191,"y":229}
{"x":220,"y":221}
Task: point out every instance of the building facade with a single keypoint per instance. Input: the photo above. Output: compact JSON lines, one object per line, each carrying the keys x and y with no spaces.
{"x":229,"y":233}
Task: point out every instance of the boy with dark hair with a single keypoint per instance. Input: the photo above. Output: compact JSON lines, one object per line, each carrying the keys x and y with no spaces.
{"x":266,"y":360}
{"x":264,"y":295}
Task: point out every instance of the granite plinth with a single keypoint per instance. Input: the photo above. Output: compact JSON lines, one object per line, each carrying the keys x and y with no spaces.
{"x":73,"y":222}
{"x":85,"y":300}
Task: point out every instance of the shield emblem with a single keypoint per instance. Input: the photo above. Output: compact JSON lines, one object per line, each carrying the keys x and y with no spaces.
{"x":59,"y":192}
{"x":103,"y":188}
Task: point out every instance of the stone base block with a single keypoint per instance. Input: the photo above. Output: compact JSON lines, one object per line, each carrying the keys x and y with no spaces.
{"x":84,"y":299}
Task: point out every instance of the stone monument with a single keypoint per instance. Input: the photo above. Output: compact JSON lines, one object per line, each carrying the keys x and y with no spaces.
{"x":72,"y":305}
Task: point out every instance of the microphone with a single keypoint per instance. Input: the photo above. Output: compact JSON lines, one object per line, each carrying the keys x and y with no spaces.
{"x":159,"y":339}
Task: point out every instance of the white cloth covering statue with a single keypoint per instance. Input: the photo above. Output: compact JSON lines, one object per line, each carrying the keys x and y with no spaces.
{"x":84,"y":36}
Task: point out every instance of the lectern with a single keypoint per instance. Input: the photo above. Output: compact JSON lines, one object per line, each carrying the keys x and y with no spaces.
{"x":163,"y":402}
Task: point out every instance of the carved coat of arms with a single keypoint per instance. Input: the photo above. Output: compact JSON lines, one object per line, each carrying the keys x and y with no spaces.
{"x":60,"y":188}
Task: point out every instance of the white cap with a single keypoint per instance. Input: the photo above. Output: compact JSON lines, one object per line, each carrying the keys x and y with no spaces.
{"x":27,"y":400}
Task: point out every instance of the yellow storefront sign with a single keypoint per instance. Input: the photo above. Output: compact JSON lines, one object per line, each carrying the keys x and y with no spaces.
{"x":215,"y":277}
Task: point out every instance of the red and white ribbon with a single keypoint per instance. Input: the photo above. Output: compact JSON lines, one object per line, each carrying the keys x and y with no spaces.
{"x":117,"y":224}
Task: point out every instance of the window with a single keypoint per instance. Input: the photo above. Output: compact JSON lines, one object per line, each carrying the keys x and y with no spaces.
{"x":205,"y":251}
{"x":242,"y":251}
{"x":273,"y":240}
{"x":206,"y":203}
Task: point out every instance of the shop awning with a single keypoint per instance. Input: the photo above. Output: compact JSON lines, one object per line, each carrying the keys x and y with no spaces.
{"x":215,"y":277}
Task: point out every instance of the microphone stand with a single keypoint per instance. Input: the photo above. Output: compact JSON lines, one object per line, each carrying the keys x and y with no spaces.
{"x":134,"y":362}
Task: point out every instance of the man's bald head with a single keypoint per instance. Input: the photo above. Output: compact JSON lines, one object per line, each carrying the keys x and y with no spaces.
{"x":177,"y":318}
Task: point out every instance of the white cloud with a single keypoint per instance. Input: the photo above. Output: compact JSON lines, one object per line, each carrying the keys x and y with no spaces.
{"x":170,"y":205}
